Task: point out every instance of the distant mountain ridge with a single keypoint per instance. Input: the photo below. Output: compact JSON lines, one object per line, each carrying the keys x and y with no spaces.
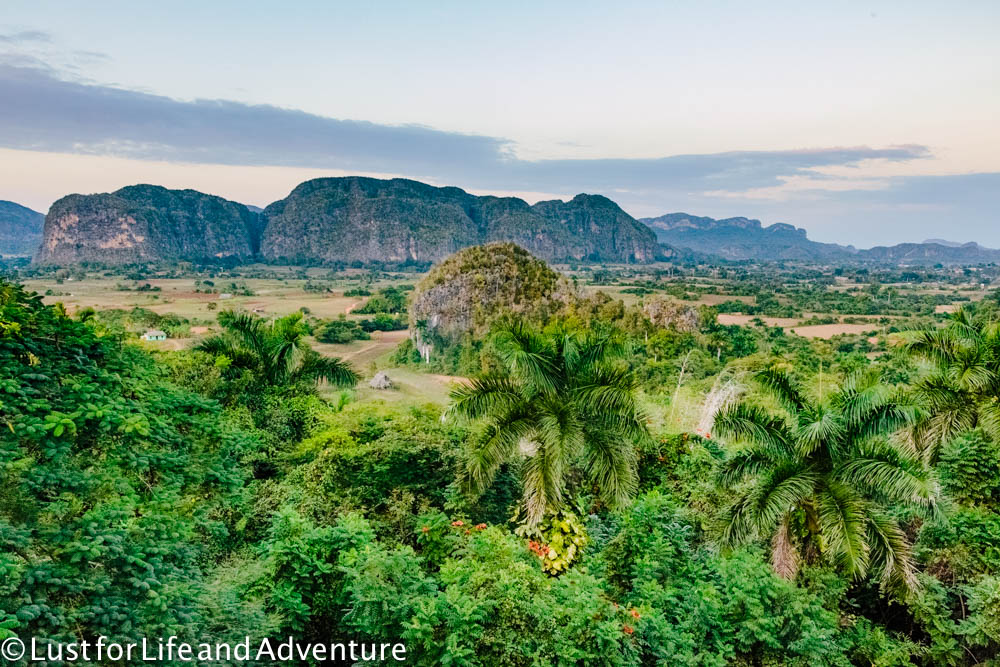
{"x":20,"y":229}
{"x":932,"y":253}
{"x":357,"y":219}
{"x":746,"y":238}
{"x":325,"y":220}
{"x":950,"y":244}
{"x":741,"y":238}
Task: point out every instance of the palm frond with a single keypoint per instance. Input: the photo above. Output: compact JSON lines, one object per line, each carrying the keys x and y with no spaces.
{"x":782,"y":387}
{"x":860,"y":394}
{"x":937,"y":345}
{"x":750,"y":423}
{"x":491,"y":394}
{"x":247,"y":328}
{"x":748,"y":463}
{"x":542,"y":477}
{"x":610,"y":463}
{"x":608,"y":389}
{"x":497,"y":446}
{"x":817,"y":426}
{"x":884,"y":420}
{"x":526,"y":354}
{"x":333,"y":370}
{"x":218,"y":345}
{"x":777,"y":492}
{"x":989,"y":417}
{"x":624,"y":426}
{"x":885,"y":472}
{"x":739,"y":525}
{"x":602,"y":348}
{"x":891,"y":556}
{"x":843,"y":520}
{"x":224,"y":345}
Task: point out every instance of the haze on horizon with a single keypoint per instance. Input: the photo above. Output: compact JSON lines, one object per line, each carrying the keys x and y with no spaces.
{"x":865,"y":123}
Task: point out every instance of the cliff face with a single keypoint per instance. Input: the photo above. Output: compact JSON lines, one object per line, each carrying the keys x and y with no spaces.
{"x":587,"y":227}
{"x":20,"y":229}
{"x":147,"y":223}
{"x":365,"y":219}
{"x":336,"y":220}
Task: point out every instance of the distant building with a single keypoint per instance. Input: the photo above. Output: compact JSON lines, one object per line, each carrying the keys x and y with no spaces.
{"x":154,"y":334}
{"x":225,"y":295}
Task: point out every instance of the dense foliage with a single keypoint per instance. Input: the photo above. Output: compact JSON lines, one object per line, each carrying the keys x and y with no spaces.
{"x":618,"y":484}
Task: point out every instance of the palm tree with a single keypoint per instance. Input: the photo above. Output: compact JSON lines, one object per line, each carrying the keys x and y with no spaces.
{"x":963,"y":390}
{"x":817,"y":477}
{"x":559,"y":402}
{"x":276,"y":352}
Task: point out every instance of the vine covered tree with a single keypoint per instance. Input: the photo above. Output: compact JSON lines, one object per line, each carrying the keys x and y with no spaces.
{"x":816,"y":478}
{"x":558,"y":402}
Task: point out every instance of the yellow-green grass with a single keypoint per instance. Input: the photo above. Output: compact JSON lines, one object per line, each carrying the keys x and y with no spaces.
{"x":410,"y":386}
{"x":177,"y":295}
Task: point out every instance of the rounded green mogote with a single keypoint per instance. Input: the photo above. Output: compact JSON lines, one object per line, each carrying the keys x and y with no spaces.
{"x":467,"y":291}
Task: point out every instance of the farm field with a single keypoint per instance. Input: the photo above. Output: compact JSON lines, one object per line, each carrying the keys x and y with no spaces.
{"x":178,"y":296}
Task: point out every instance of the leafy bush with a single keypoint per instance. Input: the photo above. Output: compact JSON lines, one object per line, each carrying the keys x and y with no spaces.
{"x":341,"y":330}
{"x":116,"y":486}
{"x":388,"y":300}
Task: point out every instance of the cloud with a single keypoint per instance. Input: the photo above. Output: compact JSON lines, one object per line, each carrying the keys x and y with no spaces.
{"x":25,"y":36}
{"x":43,"y":112}
{"x":46,"y":113}
{"x":828,"y":190}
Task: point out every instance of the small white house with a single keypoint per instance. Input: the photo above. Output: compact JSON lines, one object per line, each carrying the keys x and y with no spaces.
{"x":154,"y":334}
{"x":225,"y":295}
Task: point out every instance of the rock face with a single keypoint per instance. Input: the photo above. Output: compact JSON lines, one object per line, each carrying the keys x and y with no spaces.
{"x":469,"y":290}
{"x":20,"y":230}
{"x":329,"y":220}
{"x":147,"y":223}
{"x":366,"y":219}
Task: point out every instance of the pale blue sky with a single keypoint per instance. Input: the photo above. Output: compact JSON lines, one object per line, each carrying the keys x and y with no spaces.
{"x":864,"y":122}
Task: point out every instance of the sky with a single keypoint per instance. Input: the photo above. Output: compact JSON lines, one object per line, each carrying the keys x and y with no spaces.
{"x":865,"y":123}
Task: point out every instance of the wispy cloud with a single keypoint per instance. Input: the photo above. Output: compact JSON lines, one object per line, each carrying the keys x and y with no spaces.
{"x":47,"y":113}
{"x":25,"y":37}
{"x":829,"y":190}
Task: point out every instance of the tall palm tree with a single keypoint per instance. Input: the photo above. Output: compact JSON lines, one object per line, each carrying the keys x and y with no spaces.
{"x":559,"y":402}
{"x":817,"y":476}
{"x":962,"y":392}
{"x":276,"y":351}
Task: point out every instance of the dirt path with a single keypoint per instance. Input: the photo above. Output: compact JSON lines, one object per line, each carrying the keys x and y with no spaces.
{"x":382,"y":343}
{"x":355,"y":353}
